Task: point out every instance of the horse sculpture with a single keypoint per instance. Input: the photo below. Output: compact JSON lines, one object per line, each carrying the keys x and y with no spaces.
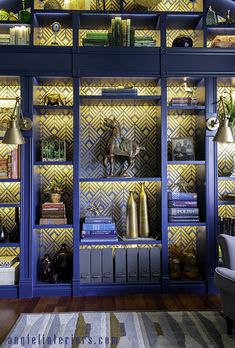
{"x":119,"y":146}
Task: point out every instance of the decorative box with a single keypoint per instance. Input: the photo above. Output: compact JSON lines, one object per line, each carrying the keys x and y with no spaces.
{"x":7,"y":261}
{"x":10,"y":275}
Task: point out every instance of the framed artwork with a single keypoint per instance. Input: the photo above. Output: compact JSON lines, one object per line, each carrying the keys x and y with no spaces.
{"x":183,"y":149}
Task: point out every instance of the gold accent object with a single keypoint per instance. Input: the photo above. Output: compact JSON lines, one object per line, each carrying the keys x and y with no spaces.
{"x":148,"y":3}
{"x":144,"y":230}
{"x":17,"y":123}
{"x":132,"y":218}
{"x":224,"y":133}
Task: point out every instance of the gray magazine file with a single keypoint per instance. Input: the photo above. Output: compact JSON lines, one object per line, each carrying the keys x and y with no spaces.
{"x":107,"y":265}
{"x":144,"y":266}
{"x":155,"y":264}
{"x":85,"y":266}
{"x":120,"y":265}
{"x":132,"y":265}
{"x":96,"y":266}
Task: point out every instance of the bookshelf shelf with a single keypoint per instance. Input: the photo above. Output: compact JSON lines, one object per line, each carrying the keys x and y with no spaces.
{"x":226,"y":178}
{"x":120,"y":100}
{"x":9,"y":245}
{"x":10,"y":205}
{"x":119,"y":179}
{"x":53,"y":163}
{"x":187,"y":224}
{"x":226,"y":202}
{"x":48,"y":107}
{"x":186,"y":162}
{"x":121,"y":242}
{"x":9,"y":180}
{"x":43,"y":227}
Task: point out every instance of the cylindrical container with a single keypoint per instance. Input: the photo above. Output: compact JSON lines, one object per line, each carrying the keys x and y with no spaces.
{"x":132,"y":218}
{"x":144,"y":230}
{"x":77,"y":4}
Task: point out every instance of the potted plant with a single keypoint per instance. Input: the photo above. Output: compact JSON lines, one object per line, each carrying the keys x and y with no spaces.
{"x":55,"y":190}
{"x":230,"y":109}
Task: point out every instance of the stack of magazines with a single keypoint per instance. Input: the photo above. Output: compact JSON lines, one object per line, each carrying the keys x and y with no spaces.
{"x":99,"y":229}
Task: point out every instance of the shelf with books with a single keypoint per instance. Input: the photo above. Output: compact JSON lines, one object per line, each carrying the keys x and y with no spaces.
{"x":46,"y":181}
{"x":121,"y":242}
{"x":119,"y":30}
{"x":185,"y":25}
{"x":45,"y":36}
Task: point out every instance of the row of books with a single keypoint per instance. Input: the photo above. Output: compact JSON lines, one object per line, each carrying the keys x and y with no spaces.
{"x":53,"y":214}
{"x":10,"y":166}
{"x":120,"y":34}
{"x":17,"y":36}
{"x":107,"y":92}
{"x":227,"y":226}
{"x":98,"y":228}
{"x":183,"y":101}
{"x":183,"y":207}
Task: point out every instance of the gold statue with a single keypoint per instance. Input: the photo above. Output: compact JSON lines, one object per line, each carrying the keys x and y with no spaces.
{"x":144,"y":230}
{"x":132,"y":218}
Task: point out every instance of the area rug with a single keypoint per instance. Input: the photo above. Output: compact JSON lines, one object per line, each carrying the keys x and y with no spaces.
{"x":121,"y":330}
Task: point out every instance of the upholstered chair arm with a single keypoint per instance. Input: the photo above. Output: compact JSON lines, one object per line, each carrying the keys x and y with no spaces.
{"x":227,"y":244}
{"x":225,"y":280}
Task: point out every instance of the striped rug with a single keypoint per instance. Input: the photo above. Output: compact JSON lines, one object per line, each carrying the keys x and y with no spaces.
{"x":121,"y":330}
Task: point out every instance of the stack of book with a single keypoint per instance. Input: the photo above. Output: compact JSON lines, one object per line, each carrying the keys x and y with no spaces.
{"x":120,"y":34}
{"x":122,"y":92}
{"x":10,"y":166}
{"x":96,"y":39}
{"x":181,"y":102}
{"x":4,"y":39}
{"x":183,"y":207}
{"x":99,"y":228}
{"x":19,"y":35}
{"x":53,"y":214}
{"x":227,"y":226}
{"x":145,"y":41}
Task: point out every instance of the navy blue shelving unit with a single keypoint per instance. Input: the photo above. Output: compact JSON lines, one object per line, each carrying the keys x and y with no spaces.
{"x":70,"y":64}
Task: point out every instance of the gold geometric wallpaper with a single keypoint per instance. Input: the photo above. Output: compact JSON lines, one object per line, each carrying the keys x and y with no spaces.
{"x":141,"y":123}
{"x":226,"y":153}
{"x":50,"y":240}
{"x":43,"y":36}
{"x":7,"y":218}
{"x":130,"y":5}
{"x":9,"y":192}
{"x":176,"y":88}
{"x":47,"y":174}
{"x":62,"y":86}
{"x":113,"y":197}
{"x":15,"y":251}
{"x":227,"y":211}
{"x":185,"y":173}
{"x":182,"y":239}
{"x":58,"y":123}
{"x":225,"y":187}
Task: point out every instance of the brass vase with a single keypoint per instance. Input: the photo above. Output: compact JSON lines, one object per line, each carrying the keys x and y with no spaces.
{"x":144,"y":230}
{"x":132,"y":219}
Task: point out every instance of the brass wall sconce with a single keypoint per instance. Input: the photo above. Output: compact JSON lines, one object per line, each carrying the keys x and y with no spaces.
{"x":17,"y":124}
{"x":224,"y":132}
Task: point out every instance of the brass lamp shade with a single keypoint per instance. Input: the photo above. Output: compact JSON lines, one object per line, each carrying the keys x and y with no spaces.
{"x":13,"y":134}
{"x":224,"y":133}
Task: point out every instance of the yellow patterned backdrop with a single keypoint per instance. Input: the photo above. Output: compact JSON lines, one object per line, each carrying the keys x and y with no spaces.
{"x":226,"y":153}
{"x":7,"y":218}
{"x":50,"y":240}
{"x":9,"y":192}
{"x":46,"y":174}
{"x":57,"y":123}
{"x":176,"y":89}
{"x":183,"y":239}
{"x":9,"y":251}
{"x":130,"y":5}
{"x":182,"y":174}
{"x":61,"y":86}
{"x":225,"y":187}
{"x":43,"y":36}
{"x":227,"y":211}
{"x":113,"y":197}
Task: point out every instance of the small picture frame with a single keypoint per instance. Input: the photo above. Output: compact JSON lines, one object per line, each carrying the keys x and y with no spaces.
{"x":183,"y":149}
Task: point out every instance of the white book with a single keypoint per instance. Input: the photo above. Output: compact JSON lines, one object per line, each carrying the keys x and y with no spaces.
{"x":12,"y":36}
{"x":23,"y":36}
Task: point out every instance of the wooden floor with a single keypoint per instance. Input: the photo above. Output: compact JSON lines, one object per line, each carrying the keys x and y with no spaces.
{"x":11,"y":309}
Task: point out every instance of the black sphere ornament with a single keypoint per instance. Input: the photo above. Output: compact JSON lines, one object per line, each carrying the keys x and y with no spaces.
{"x":182,"y":41}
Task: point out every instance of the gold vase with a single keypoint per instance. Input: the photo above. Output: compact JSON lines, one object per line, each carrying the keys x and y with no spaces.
{"x":132,"y":219}
{"x":144,"y":230}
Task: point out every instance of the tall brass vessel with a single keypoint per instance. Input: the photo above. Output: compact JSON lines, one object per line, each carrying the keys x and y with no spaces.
{"x":144,"y":230}
{"x":132,"y":218}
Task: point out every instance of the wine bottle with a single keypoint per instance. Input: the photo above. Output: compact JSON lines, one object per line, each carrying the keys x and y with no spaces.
{"x":3,"y":233}
{"x":14,"y":235}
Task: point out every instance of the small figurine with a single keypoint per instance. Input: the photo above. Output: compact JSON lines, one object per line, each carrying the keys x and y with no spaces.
{"x":211,"y":18}
{"x":228,"y":18}
{"x":54,"y":99}
{"x":46,"y":269}
{"x":63,"y":264}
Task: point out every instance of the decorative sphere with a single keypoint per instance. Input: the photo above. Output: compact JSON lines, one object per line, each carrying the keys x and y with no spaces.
{"x":148,"y":3}
{"x":56,"y":27}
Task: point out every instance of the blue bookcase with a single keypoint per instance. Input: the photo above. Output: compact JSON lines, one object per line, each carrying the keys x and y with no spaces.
{"x":79,"y":73}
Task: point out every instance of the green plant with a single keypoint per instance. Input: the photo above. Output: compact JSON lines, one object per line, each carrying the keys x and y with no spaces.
{"x":56,"y":186}
{"x":230,"y":107}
